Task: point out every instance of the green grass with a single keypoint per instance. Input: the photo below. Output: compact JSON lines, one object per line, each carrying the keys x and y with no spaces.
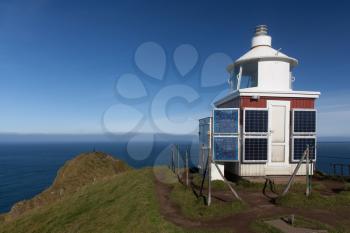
{"x":315,"y":200}
{"x":243,"y":184}
{"x":84,"y":169}
{"x":259,"y":226}
{"x":215,"y":185}
{"x":247,"y":185}
{"x":316,"y":225}
{"x":195,"y":208}
{"x":98,"y":198}
{"x":347,"y":186}
{"x":125,"y":202}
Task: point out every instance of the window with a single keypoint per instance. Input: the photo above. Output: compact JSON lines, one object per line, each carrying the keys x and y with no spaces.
{"x":234,"y":78}
{"x":249,"y":76}
{"x":244,"y":76}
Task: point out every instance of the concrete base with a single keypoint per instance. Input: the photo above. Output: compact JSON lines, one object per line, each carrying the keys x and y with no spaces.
{"x":215,"y":175}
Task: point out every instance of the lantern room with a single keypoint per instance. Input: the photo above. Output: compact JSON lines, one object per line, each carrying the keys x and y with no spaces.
{"x":262,"y":126}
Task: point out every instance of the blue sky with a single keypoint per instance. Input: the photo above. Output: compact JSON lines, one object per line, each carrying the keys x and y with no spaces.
{"x":60,"y":61}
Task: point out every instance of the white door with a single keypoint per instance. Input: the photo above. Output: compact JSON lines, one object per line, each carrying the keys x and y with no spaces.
{"x":279,"y":132}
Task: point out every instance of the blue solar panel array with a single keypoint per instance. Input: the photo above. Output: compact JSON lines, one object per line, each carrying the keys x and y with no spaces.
{"x":300,"y":145}
{"x":225,"y":148}
{"x":255,"y":137}
{"x":255,"y":149}
{"x":304,"y":121}
{"x":256,"y":121}
{"x":226,"y":121}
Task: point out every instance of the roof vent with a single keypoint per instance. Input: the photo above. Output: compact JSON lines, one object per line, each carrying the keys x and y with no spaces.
{"x":261,"y":38}
{"x":261,"y":30}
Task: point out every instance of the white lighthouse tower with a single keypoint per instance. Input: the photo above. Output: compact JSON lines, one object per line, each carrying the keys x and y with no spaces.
{"x":276,"y":123}
{"x":262,"y":67}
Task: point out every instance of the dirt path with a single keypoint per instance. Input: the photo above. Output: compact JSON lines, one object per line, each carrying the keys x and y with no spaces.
{"x":259,"y":207}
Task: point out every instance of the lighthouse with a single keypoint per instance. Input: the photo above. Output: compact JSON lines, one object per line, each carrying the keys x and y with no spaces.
{"x":263,"y":126}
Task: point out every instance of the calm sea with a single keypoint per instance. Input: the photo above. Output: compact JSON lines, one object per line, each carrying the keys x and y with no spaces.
{"x":28,"y":168}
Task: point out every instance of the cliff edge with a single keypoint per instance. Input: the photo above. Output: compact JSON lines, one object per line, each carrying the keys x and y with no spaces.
{"x":84,"y":169}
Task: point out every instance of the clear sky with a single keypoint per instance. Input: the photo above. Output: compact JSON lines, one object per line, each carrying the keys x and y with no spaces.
{"x":79,"y":66}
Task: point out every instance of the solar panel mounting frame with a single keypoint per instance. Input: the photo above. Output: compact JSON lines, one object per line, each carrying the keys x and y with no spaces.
{"x":244,"y":118}
{"x":206,"y":121}
{"x":304,"y":110}
{"x":226,"y":136}
{"x":255,"y":137}
{"x":234,"y":135}
{"x":238,"y":120}
{"x":302,"y":136}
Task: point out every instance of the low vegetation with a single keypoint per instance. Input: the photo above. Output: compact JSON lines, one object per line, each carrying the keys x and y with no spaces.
{"x":196,"y":208}
{"x":259,"y":226}
{"x":316,"y":225}
{"x":108,"y":198}
{"x":215,"y":185}
{"x":347,"y":186}
{"x":82,"y":170}
{"x":315,"y":200}
{"x":122,"y":203}
{"x":97,"y":193}
{"x":262,"y":226}
{"x":193,"y":206}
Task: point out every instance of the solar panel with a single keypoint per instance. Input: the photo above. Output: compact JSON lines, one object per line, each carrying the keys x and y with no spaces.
{"x":255,"y":149}
{"x":300,"y":145}
{"x":304,"y":121}
{"x":225,"y":148}
{"x":226,"y":121}
{"x":256,"y":121}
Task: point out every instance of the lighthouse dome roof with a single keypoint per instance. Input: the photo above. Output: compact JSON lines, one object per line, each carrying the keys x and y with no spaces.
{"x":265,"y":52}
{"x":261,"y":49}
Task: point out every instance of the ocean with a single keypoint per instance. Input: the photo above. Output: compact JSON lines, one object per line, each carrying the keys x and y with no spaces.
{"x":26,"y":169}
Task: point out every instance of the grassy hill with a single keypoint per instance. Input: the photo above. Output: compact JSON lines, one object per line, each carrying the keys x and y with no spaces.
{"x":124,"y":203}
{"x":95,"y":192}
{"x":101,"y":195}
{"x":84,"y":169}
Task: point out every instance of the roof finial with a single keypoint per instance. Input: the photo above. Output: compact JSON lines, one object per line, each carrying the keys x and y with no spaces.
{"x":261,"y":30}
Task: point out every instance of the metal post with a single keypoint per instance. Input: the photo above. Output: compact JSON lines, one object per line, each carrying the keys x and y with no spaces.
{"x":172,"y":159}
{"x":307,"y":173}
{"x":204,"y":175}
{"x":222,"y":175}
{"x":187,"y":167}
{"x":209,"y":177}
{"x":210,"y":158}
{"x":203,"y":163}
{"x":178,"y":160}
{"x":295,"y":172}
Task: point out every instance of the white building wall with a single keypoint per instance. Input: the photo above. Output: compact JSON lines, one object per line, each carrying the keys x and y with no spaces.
{"x":251,"y":169}
{"x":265,"y":170}
{"x":274,"y":75}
